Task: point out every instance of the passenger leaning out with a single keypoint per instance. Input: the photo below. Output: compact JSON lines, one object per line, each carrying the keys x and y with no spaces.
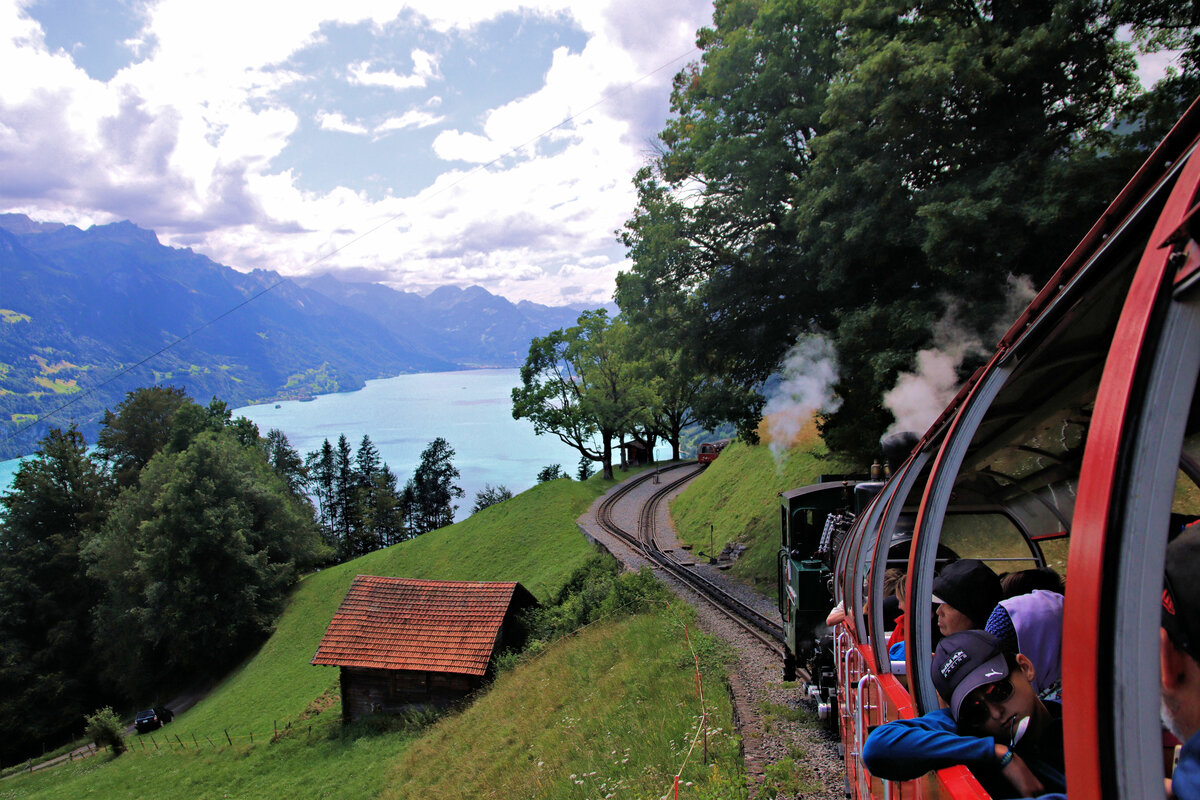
{"x":994,"y":724}
{"x":966,"y":591}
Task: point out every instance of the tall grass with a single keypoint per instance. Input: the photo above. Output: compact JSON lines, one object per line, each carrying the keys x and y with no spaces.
{"x":612,"y":712}
{"x":737,"y":500}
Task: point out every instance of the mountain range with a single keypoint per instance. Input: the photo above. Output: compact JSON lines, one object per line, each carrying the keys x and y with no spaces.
{"x":89,"y":315}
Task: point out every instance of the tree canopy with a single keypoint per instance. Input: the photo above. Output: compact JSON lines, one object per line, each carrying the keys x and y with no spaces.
{"x":196,"y":561}
{"x":861,"y":170}
{"x":58,"y":497}
{"x":582,"y":384}
{"x":431,"y":491}
{"x":164,"y":556}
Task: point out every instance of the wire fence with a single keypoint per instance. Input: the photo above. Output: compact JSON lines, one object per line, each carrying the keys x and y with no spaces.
{"x":169,"y":741}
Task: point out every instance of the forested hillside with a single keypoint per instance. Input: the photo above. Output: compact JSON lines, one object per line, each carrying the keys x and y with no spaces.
{"x":86,"y":316}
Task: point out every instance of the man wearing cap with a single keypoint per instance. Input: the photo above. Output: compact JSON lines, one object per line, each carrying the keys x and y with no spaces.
{"x":967,"y":591}
{"x":994,"y":724}
{"x":1179,"y":653}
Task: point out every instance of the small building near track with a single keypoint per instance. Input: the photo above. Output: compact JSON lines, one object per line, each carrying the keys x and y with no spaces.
{"x":405,"y":644}
{"x":635,"y":453}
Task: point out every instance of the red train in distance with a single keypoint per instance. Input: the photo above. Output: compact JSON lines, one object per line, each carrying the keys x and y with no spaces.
{"x":710,"y":450}
{"x":1076,"y":447}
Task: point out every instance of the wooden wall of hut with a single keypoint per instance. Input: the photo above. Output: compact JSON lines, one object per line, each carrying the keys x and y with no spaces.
{"x":365,"y":691}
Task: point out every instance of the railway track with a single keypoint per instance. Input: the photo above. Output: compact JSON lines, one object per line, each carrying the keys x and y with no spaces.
{"x":642,"y":540}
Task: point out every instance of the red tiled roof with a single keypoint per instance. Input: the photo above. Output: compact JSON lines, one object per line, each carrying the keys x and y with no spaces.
{"x":404,"y":623}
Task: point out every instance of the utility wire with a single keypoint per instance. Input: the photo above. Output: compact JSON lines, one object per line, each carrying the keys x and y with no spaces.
{"x":355,"y":240}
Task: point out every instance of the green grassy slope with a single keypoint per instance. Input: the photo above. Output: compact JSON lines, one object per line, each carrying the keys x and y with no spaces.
{"x":531,"y":539}
{"x":738,"y":497}
{"x":623,"y":684}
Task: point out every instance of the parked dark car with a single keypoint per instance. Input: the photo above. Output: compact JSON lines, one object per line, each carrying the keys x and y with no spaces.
{"x":152,"y":718}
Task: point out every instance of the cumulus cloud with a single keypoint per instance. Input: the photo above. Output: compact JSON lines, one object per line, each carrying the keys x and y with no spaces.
{"x":424,"y":68}
{"x":409,"y":119}
{"x":337,"y":122}
{"x":193,"y":139}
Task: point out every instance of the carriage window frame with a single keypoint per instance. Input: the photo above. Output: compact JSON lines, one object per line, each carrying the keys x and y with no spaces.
{"x":872,"y":568}
{"x":1143,"y":503}
{"x":927,"y":532}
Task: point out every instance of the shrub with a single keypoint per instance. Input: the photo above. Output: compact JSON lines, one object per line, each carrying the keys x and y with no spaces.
{"x":106,"y":730}
{"x":551,"y":473}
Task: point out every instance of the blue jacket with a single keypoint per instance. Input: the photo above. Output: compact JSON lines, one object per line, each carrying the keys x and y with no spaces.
{"x":1185,"y":782}
{"x":908,"y":748}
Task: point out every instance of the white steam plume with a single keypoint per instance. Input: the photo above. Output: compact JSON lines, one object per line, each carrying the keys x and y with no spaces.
{"x":918,"y":397}
{"x":807,"y":375}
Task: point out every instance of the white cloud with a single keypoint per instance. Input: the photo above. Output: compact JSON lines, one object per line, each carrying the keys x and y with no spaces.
{"x":187,"y":140}
{"x":409,"y":119}
{"x":337,"y":122}
{"x":425,"y":67}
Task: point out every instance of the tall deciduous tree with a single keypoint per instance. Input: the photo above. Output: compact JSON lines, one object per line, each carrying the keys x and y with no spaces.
{"x":580,"y":385}
{"x":196,"y":561}
{"x":139,"y":428}
{"x":846,"y":168}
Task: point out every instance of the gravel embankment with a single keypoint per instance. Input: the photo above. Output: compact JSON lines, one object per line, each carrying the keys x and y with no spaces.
{"x":776,"y":724}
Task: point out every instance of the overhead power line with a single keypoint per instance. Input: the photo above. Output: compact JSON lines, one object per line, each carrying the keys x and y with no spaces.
{"x":349,"y":243}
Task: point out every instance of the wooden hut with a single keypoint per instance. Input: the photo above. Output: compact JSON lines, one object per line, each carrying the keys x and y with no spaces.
{"x":635,"y":453}
{"x":403,"y":643}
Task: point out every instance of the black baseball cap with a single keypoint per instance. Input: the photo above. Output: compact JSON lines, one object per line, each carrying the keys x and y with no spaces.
{"x":963,"y":662}
{"x":970,"y":586}
{"x":1181,"y":591}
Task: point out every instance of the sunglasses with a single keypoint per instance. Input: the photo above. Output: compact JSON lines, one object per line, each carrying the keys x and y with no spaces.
{"x":974,"y":710}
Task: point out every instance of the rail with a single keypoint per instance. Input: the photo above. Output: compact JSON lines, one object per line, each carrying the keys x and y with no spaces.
{"x":643,"y":542}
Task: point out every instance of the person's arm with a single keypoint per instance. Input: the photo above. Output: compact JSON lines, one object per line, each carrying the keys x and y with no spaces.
{"x":1017,"y":772}
{"x":908,"y":748}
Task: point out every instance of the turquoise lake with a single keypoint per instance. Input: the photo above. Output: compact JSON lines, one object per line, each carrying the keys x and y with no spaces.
{"x":472,"y":410}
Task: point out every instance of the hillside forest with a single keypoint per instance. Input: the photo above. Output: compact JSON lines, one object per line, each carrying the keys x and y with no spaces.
{"x":164,"y":557}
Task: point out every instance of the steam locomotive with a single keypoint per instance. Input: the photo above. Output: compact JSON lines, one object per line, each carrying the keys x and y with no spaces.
{"x":1077,"y":447}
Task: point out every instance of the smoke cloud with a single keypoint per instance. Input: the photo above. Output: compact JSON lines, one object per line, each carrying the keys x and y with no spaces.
{"x":805,"y":386}
{"x":919,"y":397}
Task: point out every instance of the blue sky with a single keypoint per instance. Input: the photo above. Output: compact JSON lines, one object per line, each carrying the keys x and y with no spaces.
{"x":417,"y":144}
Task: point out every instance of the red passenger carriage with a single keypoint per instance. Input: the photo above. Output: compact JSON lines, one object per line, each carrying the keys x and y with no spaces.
{"x":1077,"y":446}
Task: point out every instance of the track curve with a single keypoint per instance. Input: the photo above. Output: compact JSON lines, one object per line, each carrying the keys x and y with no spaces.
{"x":769,"y":632}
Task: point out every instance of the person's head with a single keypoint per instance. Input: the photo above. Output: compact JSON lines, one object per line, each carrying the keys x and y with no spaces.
{"x":1026,"y":580}
{"x":893,"y":583}
{"x":987,"y":690}
{"x":966,"y":592}
{"x":1179,"y":639}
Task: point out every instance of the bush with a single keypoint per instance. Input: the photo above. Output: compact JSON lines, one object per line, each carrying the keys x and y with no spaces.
{"x":551,"y":473}
{"x":106,"y":730}
{"x":596,"y":589}
{"x":490,"y":496}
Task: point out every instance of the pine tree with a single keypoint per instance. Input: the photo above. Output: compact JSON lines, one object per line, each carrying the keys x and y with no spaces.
{"x":432,"y":488}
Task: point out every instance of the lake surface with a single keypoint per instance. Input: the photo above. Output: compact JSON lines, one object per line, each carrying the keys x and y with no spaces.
{"x":472,"y":410}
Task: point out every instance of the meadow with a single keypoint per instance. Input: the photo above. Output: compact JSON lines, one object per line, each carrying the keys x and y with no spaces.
{"x":613,"y":710}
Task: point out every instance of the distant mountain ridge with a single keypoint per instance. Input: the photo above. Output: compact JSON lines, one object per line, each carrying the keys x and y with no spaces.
{"x":80,"y":306}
